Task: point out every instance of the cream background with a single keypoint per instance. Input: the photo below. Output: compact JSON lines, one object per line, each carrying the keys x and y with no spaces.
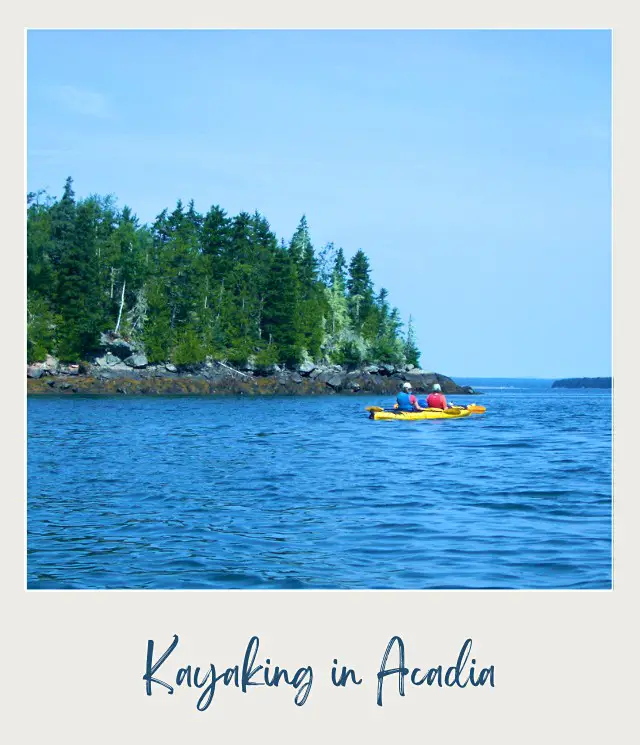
{"x":565,"y":661}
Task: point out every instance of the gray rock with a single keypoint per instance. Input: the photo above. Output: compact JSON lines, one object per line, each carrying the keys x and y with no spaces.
{"x":336,"y":381}
{"x":271,"y":369}
{"x":386,"y":369}
{"x":171,"y":368}
{"x":136,"y":360}
{"x":296,"y":377}
{"x":248,"y":366}
{"x":306,"y":368}
{"x":120,"y":347}
{"x":70,"y":370}
{"x":372,"y":369}
{"x":109,"y":360}
{"x":317,"y":372}
{"x":51,"y":365}
{"x":34,"y":371}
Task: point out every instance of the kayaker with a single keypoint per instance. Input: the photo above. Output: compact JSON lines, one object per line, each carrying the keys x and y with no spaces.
{"x":436,"y":399}
{"x":406,"y":401}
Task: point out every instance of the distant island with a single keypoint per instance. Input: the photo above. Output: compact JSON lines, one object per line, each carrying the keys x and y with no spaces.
{"x":582,"y":383}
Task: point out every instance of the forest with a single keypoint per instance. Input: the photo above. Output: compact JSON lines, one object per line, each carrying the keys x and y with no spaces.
{"x":193,"y":286}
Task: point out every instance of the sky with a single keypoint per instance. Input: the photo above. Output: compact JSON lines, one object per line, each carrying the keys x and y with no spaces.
{"x":472,"y":167}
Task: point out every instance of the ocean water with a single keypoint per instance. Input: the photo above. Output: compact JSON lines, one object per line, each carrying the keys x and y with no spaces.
{"x":305,"y":493}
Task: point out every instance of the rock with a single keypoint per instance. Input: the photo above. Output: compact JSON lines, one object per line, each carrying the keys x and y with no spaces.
{"x":270,"y":370}
{"x":51,"y":383}
{"x":34,"y":371}
{"x":324,"y":375}
{"x":171,"y":368}
{"x":51,"y":365}
{"x":386,"y":369}
{"x":336,"y":380}
{"x":296,"y":377}
{"x":119,"y":346}
{"x":136,"y":360}
{"x":109,"y":360}
{"x":65,"y":386}
{"x":317,"y":372}
{"x":371,"y":369}
{"x":70,"y":369}
{"x":306,"y":368}
{"x":409,"y":368}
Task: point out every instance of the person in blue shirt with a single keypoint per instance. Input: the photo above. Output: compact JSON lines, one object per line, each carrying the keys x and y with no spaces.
{"x":406,"y":401}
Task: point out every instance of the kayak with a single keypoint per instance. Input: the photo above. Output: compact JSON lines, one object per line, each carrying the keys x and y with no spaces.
{"x":418,"y":415}
{"x":454,"y":412}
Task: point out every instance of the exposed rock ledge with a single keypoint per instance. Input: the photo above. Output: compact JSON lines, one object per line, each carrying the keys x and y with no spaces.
{"x":136,"y":376}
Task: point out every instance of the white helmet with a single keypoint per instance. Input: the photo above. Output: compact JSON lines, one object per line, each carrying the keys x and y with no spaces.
{"x":436,"y":387}
{"x":407,"y":385}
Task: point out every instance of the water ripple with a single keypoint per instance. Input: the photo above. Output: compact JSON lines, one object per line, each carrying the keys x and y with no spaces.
{"x":306,"y":493}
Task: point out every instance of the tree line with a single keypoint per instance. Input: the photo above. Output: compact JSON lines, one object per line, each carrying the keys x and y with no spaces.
{"x":192,"y":286}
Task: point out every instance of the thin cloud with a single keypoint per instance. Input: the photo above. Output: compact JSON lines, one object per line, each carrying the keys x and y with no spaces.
{"x":81,"y":101}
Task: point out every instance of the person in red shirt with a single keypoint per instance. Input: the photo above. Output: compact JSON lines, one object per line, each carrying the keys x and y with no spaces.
{"x":436,"y":400}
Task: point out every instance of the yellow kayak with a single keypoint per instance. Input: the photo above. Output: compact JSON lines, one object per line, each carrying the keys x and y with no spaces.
{"x":418,"y":415}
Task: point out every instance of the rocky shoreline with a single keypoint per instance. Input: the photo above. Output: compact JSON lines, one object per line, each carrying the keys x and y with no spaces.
{"x":122,"y":369}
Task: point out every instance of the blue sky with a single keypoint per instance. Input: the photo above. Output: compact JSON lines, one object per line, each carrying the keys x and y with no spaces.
{"x":480,"y":158}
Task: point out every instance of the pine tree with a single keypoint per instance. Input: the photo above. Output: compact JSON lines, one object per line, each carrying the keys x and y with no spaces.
{"x":411,"y":351}
{"x":78,"y":288}
{"x":360,"y":289}
{"x":193,"y":285}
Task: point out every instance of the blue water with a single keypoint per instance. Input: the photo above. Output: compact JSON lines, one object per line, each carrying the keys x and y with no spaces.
{"x":206,"y":492}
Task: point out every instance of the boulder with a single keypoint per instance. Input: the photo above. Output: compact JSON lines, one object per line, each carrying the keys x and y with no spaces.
{"x":386,"y":369}
{"x":336,"y":380}
{"x":306,"y":368}
{"x":34,"y":371}
{"x":51,"y":365}
{"x":136,"y":360}
{"x":109,"y":360}
{"x":70,"y":369}
{"x":119,"y":346}
{"x":296,"y":377}
{"x":319,"y":371}
{"x":171,"y":368}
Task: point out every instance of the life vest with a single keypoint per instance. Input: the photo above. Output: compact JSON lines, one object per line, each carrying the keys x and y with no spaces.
{"x":404,"y":401}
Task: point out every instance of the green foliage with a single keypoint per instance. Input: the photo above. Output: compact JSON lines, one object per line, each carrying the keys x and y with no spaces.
{"x":411,"y":351}
{"x":195,"y":285}
{"x":267,"y":356}
{"x":189,"y":348}
{"x":40,"y":329}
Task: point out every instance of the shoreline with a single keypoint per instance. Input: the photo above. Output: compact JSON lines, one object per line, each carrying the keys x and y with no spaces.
{"x":213,"y":378}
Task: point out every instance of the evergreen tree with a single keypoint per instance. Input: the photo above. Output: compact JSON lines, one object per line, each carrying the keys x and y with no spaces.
{"x":411,"y":351}
{"x":360,"y":289}
{"x":193,"y":285}
{"x":78,"y":288}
